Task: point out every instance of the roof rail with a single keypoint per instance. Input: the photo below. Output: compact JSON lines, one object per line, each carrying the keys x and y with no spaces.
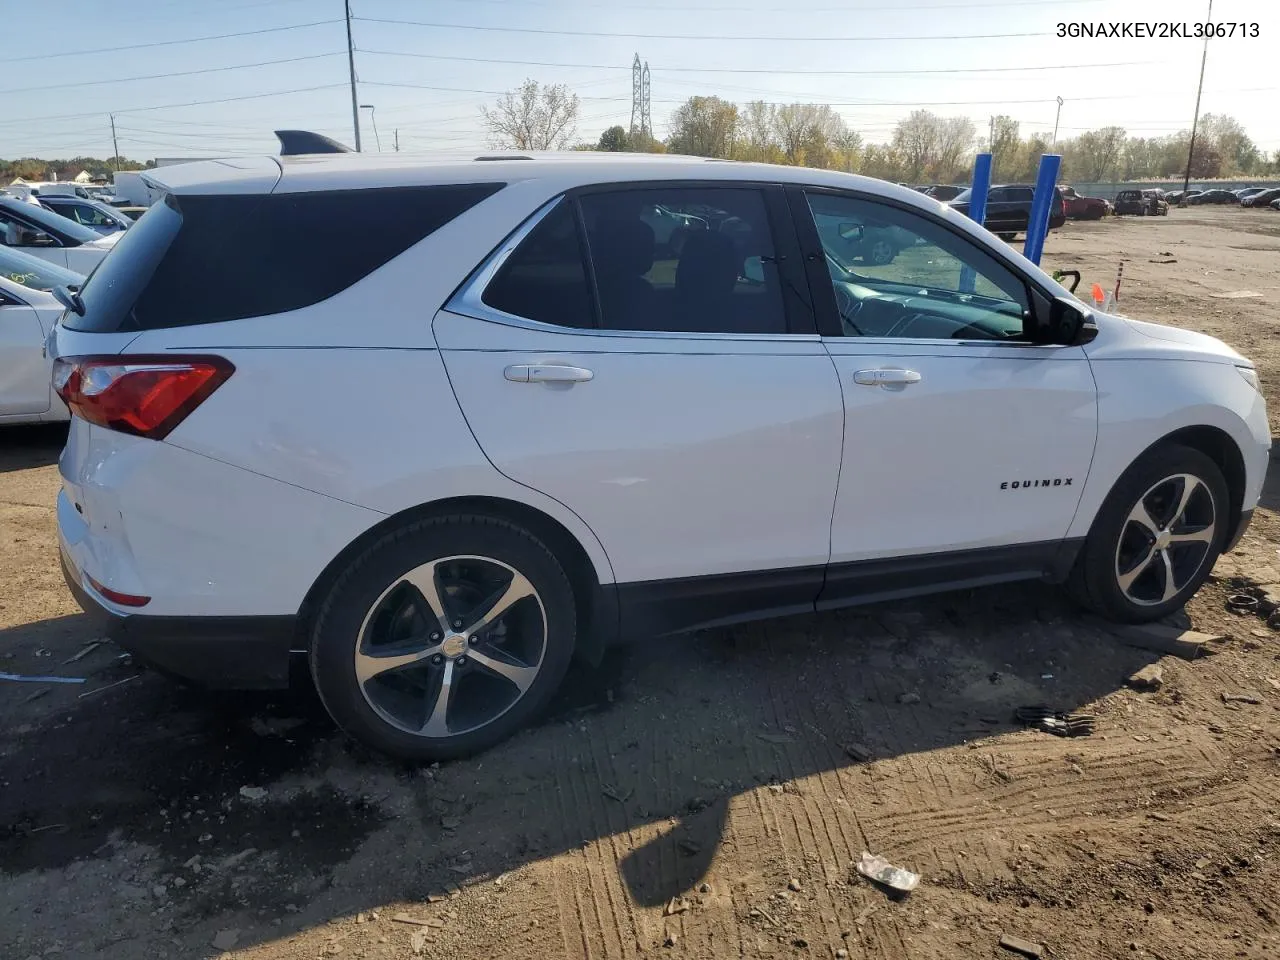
{"x":504,"y":156}
{"x":294,"y":142}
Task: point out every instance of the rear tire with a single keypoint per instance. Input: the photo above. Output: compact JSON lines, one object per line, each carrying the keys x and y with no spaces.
{"x":444,"y":637}
{"x":1155,"y":539}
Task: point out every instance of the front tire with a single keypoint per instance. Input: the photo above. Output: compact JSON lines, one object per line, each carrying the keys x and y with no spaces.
{"x":444,"y":637}
{"x":1156,"y":538}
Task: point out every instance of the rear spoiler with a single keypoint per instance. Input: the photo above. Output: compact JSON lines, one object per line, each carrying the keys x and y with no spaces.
{"x":295,"y":142}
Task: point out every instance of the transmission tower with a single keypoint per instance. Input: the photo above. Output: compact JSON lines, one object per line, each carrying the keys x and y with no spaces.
{"x":641,"y":117}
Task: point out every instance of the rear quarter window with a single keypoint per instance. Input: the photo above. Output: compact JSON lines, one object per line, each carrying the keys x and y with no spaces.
{"x":206,"y":259}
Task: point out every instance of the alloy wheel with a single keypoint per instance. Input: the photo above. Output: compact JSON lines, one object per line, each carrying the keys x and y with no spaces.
{"x":1165,"y":539}
{"x":881,"y":253}
{"x":451,"y":646}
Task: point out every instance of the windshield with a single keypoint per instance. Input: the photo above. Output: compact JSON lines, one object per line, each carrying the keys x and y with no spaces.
{"x":963,"y":195}
{"x":53,"y":222}
{"x":33,"y":272}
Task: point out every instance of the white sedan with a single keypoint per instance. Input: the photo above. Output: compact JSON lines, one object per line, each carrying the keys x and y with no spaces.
{"x":28,"y":314}
{"x":32,"y":229}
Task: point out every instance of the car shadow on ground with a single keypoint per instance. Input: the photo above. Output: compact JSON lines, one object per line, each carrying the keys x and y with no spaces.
{"x":25,"y":447}
{"x":656,"y":744}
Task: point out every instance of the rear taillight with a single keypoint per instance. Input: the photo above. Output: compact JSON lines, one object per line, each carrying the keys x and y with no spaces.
{"x":143,"y":395}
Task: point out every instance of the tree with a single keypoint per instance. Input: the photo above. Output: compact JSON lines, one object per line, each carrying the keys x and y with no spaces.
{"x":1239,"y":153}
{"x":757,"y":129}
{"x":916,"y":140}
{"x":1100,"y":151}
{"x":806,"y":131}
{"x":613,"y":140}
{"x":532,"y":117}
{"x":955,"y":142}
{"x":880,"y":160}
{"x":704,"y":127}
{"x":1005,"y":147}
{"x":847,"y":151}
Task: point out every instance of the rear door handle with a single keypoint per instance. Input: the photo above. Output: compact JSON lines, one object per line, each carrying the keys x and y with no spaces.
{"x":886,"y":376}
{"x":547,"y":373}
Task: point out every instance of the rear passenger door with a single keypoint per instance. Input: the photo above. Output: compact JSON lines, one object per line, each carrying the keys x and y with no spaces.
{"x":646,"y":355}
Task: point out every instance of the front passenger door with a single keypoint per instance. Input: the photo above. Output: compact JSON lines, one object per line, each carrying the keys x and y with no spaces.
{"x":962,"y":438}
{"x":24,"y":372}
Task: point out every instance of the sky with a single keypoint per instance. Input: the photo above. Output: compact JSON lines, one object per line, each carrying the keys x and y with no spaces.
{"x":158,"y":65}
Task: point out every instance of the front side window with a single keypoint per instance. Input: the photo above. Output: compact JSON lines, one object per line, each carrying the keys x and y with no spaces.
{"x":684,"y":259}
{"x":896,"y":273}
{"x":18,"y":233}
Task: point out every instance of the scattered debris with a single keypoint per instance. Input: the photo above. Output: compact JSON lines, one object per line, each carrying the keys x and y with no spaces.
{"x":778,"y":738}
{"x":1243,"y":604}
{"x":613,"y":794}
{"x":1274,"y":683}
{"x":690,"y":848}
{"x":676,"y":905}
{"x":1237,"y":295}
{"x":859,"y":751}
{"x":1187,"y":644}
{"x":118,"y":683}
{"x":1059,"y":724}
{"x":764,"y":915}
{"x":418,"y":941}
{"x":1150,"y":677}
{"x":1024,"y":947}
{"x":418,"y":922}
{"x":253,"y":793}
{"x":704,"y":888}
{"x":226,"y":939}
{"x":1163,"y":260}
{"x":793,"y":885}
{"x":883,"y":872}
{"x":671,"y":940}
{"x":908,"y":698}
{"x":22,"y":678}
{"x":87,"y":649}
{"x":36,"y":696}
{"x":1240,"y":698}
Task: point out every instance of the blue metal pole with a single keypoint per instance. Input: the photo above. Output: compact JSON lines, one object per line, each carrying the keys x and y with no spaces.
{"x":1038,"y":224}
{"x":977,"y":208}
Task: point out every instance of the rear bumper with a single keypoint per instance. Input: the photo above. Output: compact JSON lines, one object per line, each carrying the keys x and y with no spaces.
{"x":223,"y":653}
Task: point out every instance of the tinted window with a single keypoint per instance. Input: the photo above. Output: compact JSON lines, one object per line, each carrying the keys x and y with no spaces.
{"x":679,"y":259}
{"x":545,"y":278}
{"x":896,"y":273}
{"x":36,"y":219}
{"x":204,"y":259}
{"x":1019,"y":193}
{"x":33,"y":272}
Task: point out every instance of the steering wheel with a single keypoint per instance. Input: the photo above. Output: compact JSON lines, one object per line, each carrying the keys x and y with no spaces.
{"x":849,"y":306}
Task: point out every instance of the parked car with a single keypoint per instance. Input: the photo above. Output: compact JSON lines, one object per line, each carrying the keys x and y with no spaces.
{"x":97,"y":216}
{"x":1213,"y":196}
{"x":1262,"y":198}
{"x":943,"y":191}
{"x":133,"y":213}
{"x":1009,"y":209}
{"x":1141,"y":202}
{"x":547,"y":439}
{"x":1275,"y":204}
{"x":1242,"y":192}
{"x":28,"y":313}
{"x":42,"y":233}
{"x":874,"y":244}
{"x":1083,"y":208}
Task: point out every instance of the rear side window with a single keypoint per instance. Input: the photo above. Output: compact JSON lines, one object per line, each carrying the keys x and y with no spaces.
{"x":545,"y":279}
{"x":205,"y":259}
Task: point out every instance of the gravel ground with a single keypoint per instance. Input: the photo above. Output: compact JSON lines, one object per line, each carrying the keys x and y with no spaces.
{"x":697,"y":797}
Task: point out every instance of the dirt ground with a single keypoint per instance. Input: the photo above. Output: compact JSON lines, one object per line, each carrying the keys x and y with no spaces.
{"x":694,"y":797}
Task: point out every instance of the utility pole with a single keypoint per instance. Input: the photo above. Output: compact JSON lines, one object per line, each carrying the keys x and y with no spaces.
{"x":351,"y":65}
{"x":115,"y":147}
{"x":397,"y":139}
{"x":1195,"y":119}
{"x":1056,"y":118}
{"x":991,"y":135}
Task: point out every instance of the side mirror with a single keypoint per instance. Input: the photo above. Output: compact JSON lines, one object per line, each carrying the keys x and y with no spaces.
{"x":1070,"y":323}
{"x":850,"y":231}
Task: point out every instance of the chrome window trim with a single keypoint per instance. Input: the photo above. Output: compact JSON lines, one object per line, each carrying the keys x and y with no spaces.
{"x":468,"y":300}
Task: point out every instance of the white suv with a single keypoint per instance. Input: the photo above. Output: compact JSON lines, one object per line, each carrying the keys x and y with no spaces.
{"x":437,"y":427}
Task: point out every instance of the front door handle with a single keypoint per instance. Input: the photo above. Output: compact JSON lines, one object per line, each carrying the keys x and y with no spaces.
{"x":886,"y":377}
{"x":547,"y":373}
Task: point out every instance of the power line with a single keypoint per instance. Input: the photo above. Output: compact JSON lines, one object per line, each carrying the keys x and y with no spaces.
{"x":170,"y":43}
{"x":686,"y":36}
{"x":169,"y":106}
{"x":812,"y":73}
{"x":685,"y":8}
{"x":166,"y":76}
